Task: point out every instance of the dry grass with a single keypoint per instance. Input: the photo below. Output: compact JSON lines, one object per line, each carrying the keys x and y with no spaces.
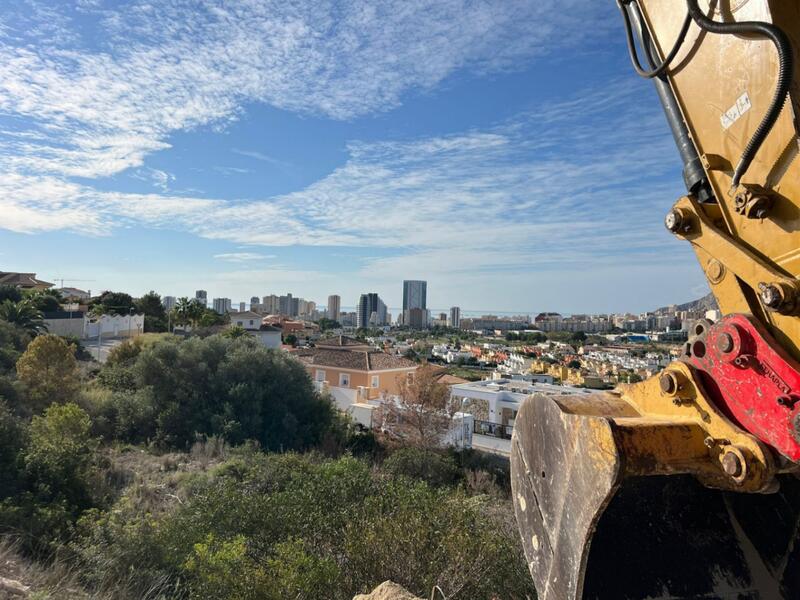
{"x":44,"y":582}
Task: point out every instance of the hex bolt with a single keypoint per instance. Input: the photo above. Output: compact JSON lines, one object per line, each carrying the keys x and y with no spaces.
{"x":725,"y":343}
{"x":676,"y":222}
{"x":709,"y":442}
{"x":732,"y":464}
{"x":715,"y":270}
{"x":770,"y":295}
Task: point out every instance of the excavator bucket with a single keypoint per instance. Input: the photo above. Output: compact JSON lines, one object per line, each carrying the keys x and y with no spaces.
{"x":610,"y":505}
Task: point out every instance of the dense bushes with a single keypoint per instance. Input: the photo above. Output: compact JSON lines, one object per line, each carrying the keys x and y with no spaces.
{"x":46,"y":474}
{"x":290,"y":526}
{"x":172,"y":390}
{"x":434,"y":468}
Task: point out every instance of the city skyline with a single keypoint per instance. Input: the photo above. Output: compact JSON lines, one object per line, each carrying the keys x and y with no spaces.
{"x":469,"y":151}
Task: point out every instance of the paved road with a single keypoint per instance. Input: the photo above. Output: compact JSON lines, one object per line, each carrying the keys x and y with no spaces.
{"x":100,"y":353}
{"x":489,"y":443}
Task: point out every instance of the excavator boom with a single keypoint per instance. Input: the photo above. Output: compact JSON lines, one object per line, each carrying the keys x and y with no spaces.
{"x":684,"y":485}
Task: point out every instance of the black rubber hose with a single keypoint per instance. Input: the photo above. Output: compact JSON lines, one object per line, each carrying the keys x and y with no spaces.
{"x":785,"y":75}
{"x":660,"y":69}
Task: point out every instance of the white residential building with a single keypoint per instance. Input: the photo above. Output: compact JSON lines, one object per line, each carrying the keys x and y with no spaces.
{"x":222,"y":305}
{"x":246,"y":319}
{"x":495,"y":402}
{"x":515,"y":364}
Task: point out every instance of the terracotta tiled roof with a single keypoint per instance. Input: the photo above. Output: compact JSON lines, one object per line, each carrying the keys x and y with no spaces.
{"x":24,"y":280}
{"x":357,"y":360}
{"x":378,"y":361}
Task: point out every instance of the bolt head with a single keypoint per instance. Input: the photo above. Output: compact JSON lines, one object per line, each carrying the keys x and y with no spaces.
{"x":673,"y":221}
{"x":770,"y":295}
{"x":709,"y":442}
{"x":732,"y":464}
{"x":725,"y":343}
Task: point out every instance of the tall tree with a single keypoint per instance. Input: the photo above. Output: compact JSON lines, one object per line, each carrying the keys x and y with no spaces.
{"x":24,"y":315}
{"x":155,"y":315}
{"x":116,"y":303}
{"x":45,"y":300}
{"x":49,"y":371}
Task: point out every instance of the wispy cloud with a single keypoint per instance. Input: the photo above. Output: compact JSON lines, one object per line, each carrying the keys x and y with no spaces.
{"x":263,"y":158}
{"x":179,"y":65}
{"x":231,"y":170}
{"x":241,"y":257}
{"x":157,"y":177}
{"x":544,"y":189}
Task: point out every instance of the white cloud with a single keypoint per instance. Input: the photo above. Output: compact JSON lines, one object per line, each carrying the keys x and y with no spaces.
{"x":169,"y":66}
{"x":240,"y":257}
{"x":570,"y":186}
{"x":544,"y":189}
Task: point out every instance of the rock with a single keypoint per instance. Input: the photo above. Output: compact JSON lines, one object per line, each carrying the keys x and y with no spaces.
{"x":10,"y":588}
{"x":388,"y":590}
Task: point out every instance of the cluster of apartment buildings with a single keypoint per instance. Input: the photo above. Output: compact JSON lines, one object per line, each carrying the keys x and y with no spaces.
{"x":370,"y":309}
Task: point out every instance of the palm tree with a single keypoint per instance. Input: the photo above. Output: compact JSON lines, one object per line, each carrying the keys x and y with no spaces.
{"x":183,"y":309}
{"x":24,"y":315}
{"x":196,"y":311}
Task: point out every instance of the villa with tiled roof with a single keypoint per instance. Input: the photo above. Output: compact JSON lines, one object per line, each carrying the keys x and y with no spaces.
{"x":346,"y":371}
{"x":25,"y":281}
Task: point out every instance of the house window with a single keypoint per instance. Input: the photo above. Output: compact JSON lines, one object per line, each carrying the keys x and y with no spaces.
{"x":251,"y":321}
{"x":320,"y":375}
{"x":375,"y":381}
{"x":344,"y":380}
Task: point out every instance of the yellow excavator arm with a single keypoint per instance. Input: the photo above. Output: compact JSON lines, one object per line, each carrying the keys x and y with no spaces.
{"x":684,"y":486}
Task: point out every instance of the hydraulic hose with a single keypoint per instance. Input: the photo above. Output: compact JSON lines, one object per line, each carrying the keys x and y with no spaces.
{"x":785,"y":74}
{"x":637,"y":66}
{"x":694,"y":175}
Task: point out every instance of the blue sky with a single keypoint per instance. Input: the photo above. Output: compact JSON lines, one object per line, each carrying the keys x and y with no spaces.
{"x":503,"y":150}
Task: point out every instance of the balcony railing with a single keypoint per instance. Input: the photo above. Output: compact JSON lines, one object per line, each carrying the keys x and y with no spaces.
{"x":493,"y":429}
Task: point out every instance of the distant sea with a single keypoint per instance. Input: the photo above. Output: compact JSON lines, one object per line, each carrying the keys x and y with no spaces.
{"x":465,"y":314}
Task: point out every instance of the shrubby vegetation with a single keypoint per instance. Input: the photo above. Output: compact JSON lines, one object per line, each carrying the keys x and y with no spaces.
{"x":209,"y":467}
{"x":171,"y":391}
{"x":277,"y":526}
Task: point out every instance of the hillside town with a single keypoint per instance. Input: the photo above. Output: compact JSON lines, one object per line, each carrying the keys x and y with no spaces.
{"x":361,"y":358}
